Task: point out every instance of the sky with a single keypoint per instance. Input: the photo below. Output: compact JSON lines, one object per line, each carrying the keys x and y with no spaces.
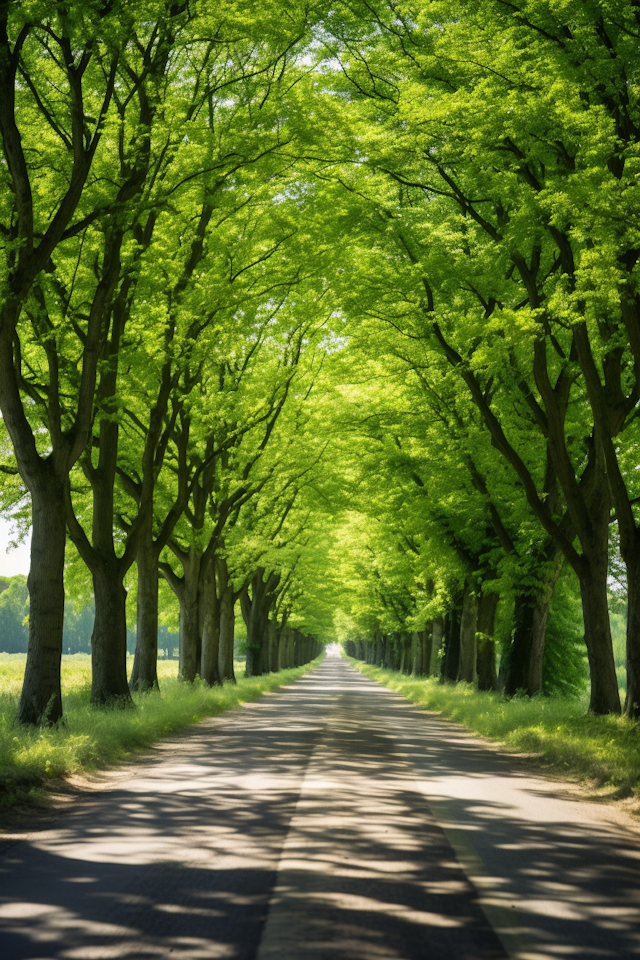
{"x":15,"y":561}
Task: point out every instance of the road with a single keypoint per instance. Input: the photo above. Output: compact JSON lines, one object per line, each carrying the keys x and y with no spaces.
{"x":330,"y":820}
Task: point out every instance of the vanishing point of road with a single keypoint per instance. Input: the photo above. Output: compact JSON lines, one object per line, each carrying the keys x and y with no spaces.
{"x":329,"y":820}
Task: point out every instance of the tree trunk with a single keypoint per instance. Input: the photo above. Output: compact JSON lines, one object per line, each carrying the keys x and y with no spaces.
{"x":253,"y":663}
{"x":487,"y":673}
{"x":378,"y":651}
{"x":291,"y":649}
{"x":189,"y":619}
{"x":273,"y":638}
{"x":526,"y":655}
{"x":632,"y":701}
{"x":227,"y":631}
{"x":109,"y":685}
{"x":437,"y":635}
{"x":416,"y":654}
{"x":538,"y":639}
{"x":468,"y":641}
{"x":255,"y":611}
{"x":41,"y":698}
{"x":452,"y":651}
{"x":426,"y":643}
{"x":144,"y":675}
{"x":519,"y":654}
{"x":210,"y":612}
{"x":264,"y":649}
{"x":282,"y":648}
{"x":605,"y":696}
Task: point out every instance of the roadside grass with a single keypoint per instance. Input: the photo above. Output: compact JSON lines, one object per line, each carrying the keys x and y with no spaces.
{"x":558,"y":732}
{"x":89,"y":738}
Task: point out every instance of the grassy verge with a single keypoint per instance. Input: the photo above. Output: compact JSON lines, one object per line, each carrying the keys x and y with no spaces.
{"x":90,"y":739}
{"x":559,"y":733}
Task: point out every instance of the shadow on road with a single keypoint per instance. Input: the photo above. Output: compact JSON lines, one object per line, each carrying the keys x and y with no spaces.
{"x":303,"y":826}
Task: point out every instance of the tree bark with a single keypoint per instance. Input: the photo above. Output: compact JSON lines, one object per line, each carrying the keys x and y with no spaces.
{"x":378,"y":649}
{"x":416,"y":655}
{"x":210,"y":610}
{"x":632,"y":701}
{"x":605,"y":696}
{"x":452,"y":650}
{"x":255,"y":611}
{"x":273,"y":645}
{"x":144,"y":675}
{"x":426,"y":642}
{"x":519,"y":653}
{"x":41,"y":698}
{"x":189,"y":618}
{"x":109,"y":685}
{"x":468,"y":641}
{"x":437,"y":635}
{"x":264,"y":649}
{"x":487,"y":673}
{"x":227,"y":624}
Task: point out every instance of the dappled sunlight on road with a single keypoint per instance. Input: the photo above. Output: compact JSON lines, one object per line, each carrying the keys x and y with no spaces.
{"x":180,"y":858}
{"x":332,"y":820}
{"x":365,"y":871}
{"x":558,"y":877}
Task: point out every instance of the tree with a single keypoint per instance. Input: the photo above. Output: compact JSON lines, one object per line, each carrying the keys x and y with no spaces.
{"x":42,"y":215}
{"x":500,"y":179}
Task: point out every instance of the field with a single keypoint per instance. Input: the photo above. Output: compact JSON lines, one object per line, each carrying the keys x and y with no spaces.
{"x":558,"y":733}
{"x":91,"y":738}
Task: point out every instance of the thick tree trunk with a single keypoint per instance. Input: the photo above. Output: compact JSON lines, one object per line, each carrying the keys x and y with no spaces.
{"x":402,"y":658}
{"x":265,"y":653}
{"x":210,"y":614}
{"x":109,"y":685}
{"x":416,"y":654}
{"x":593,"y":573}
{"x":253,"y":664}
{"x":519,"y":653}
{"x":282,"y":648}
{"x":605,"y":696}
{"x":41,"y":699}
{"x":526,"y":659}
{"x":487,"y":673}
{"x":468,"y":641}
{"x":190,"y":619}
{"x":451,"y":660}
{"x":273,"y":635}
{"x":526,"y":656}
{"x":632,"y":701}
{"x":291,"y":647}
{"x":426,"y":642}
{"x":255,"y":611}
{"x":538,"y":639}
{"x":144,"y":675}
{"x":387,"y":653}
{"x":227,"y":633}
{"x":437,"y":636}
{"x":378,"y":650}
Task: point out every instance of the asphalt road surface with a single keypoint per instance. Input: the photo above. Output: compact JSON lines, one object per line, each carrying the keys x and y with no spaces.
{"x":330,"y":820}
